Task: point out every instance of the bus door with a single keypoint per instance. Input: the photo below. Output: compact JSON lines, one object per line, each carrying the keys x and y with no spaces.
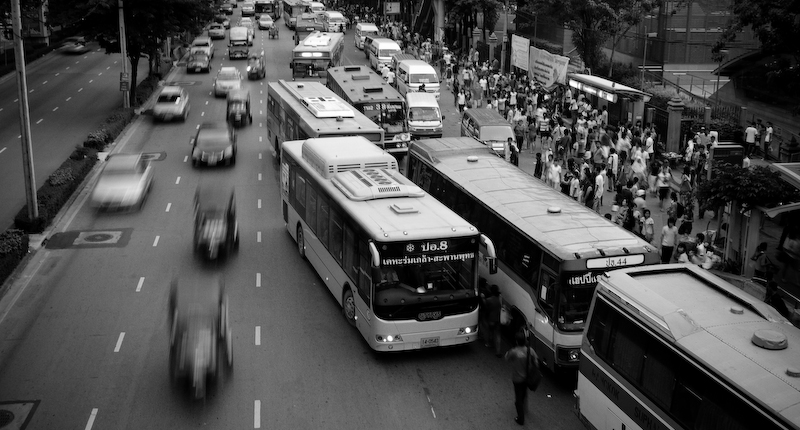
{"x":362,"y":269}
{"x":543,"y":322}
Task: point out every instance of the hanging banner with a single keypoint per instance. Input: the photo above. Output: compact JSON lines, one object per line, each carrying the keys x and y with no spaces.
{"x":549,"y":69}
{"x":519,"y":52}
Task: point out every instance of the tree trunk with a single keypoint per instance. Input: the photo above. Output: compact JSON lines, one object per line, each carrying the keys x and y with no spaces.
{"x":134,"y":60}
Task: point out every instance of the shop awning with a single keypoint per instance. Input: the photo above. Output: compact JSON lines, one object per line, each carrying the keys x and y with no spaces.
{"x":605,"y":89}
{"x":790,"y":172}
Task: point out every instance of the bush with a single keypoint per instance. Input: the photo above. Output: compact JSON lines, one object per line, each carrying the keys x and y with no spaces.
{"x":13,"y":248}
{"x":56,"y":192}
{"x":110,"y":129}
{"x":145,"y":89}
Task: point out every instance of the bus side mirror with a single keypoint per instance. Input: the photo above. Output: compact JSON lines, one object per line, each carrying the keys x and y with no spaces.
{"x":491,"y":255}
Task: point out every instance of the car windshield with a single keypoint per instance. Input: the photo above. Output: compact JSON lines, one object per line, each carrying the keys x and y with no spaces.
{"x":227,"y":76}
{"x":496,"y":132}
{"x":388,"y":52}
{"x":202,"y":43}
{"x":212,"y":138}
{"x":198,"y":58}
{"x":419,"y":78}
{"x":169,"y":98}
{"x":423,"y":114}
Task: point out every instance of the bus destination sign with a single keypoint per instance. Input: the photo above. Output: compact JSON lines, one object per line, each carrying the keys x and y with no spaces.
{"x":615,"y":262}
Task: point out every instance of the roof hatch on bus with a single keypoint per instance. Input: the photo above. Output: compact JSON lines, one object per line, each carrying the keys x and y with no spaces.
{"x":373,"y":90}
{"x":332,"y":155}
{"x":327,"y":107}
{"x":317,"y":39}
{"x":371,"y":184}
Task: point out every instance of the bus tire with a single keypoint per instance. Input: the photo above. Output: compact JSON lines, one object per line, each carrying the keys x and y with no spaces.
{"x":301,"y":242}
{"x":349,"y":306}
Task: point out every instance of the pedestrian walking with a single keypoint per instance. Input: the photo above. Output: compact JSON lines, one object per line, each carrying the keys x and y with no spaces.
{"x":761,"y":263}
{"x":522,"y":358}
{"x":493,"y":305}
{"x":669,"y":236}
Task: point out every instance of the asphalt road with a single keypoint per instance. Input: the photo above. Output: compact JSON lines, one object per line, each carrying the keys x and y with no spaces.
{"x":83,"y":331}
{"x":69,"y":96}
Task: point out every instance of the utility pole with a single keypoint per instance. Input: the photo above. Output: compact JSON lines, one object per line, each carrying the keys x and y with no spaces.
{"x":24,"y":114}
{"x":124,"y":79}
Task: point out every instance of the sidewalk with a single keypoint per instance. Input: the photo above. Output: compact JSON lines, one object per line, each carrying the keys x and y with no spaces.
{"x":527,"y":163}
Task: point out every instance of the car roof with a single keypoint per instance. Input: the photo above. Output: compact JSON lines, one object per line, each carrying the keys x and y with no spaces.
{"x":171,"y":89}
{"x":225,"y":70}
{"x":487,"y":116}
{"x":122,"y":161}
{"x":213,"y":196}
{"x":201,"y":39}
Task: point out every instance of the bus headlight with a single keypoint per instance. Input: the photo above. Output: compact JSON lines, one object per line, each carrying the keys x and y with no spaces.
{"x":468,"y":330}
{"x":388,"y":338}
{"x":403,"y":137}
{"x":568,"y":355}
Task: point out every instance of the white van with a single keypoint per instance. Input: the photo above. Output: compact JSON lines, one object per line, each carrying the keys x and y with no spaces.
{"x":364,"y":29}
{"x":425,"y":119}
{"x":333,"y":22}
{"x":412,"y":73}
{"x":316,"y":8}
{"x":381,"y":51}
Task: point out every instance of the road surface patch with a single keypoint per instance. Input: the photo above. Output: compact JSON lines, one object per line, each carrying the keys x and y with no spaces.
{"x":90,"y":239}
{"x":17,"y":415}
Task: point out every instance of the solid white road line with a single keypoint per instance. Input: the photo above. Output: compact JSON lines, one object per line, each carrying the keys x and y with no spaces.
{"x":92,"y":416}
{"x":257,"y":414}
{"x":258,"y":280}
{"x":119,"y":342}
{"x":155,"y":242}
{"x":258,"y":335}
{"x":139,"y":285}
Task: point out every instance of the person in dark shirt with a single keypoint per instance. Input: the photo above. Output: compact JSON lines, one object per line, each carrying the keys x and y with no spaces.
{"x":493,"y":306}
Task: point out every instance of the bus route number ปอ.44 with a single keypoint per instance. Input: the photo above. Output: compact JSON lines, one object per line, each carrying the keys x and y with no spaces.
{"x":614,"y":262}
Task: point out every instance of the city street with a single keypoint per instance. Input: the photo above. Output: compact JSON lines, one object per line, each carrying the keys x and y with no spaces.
{"x":84,"y":333}
{"x":69,"y":96}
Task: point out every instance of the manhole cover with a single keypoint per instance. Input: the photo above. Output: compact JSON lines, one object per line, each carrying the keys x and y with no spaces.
{"x":6,"y":417}
{"x":98,"y":237}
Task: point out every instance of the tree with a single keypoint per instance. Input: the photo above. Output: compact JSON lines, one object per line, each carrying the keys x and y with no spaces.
{"x":627,"y":14}
{"x":758,"y":186}
{"x":147,"y":24}
{"x":465,"y":12}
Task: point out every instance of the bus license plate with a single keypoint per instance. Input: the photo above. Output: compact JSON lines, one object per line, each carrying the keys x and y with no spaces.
{"x":429,"y":342}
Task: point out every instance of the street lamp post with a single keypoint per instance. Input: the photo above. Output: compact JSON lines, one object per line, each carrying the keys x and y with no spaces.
{"x":123,"y":49}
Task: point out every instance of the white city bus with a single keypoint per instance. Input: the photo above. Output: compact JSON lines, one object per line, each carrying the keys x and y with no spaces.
{"x":300,"y":110}
{"x":675,"y":347}
{"x":403,"y":267}
{"x":550,"y":248}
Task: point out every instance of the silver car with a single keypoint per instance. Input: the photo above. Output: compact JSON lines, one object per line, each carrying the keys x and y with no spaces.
{"x":216,"y":31}
{"x":172,"y":103}
{"x":124,"y":183}
{"x":228,"y":78}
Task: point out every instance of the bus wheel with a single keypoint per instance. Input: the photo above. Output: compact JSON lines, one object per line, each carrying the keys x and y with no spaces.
{"x":349,"y":307}
{"x":301,"y":242}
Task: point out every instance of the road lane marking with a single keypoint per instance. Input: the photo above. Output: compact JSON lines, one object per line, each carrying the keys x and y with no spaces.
{"x":198,"y":127}
{"x":67,"y":68}
{"x":259,"y":155}
{"x":31,"y":90}
{"x":203,"y":113}
{"x":91,"y":80}
{"x":259,"y":124}
{"x":45,"y":82}
{"x":119,"y":342}
{"x":258,"y":237}
{"x":258,"y":280}
{"x":68,"y":99}
{"x":259,"y":200}
{"x":259,"y":176}
{"x":185,"y":158}
{"x":206,"y":102}
{"x":258,"y":335}
{"x":40,"y":120}
{"x":58,"y":73}
{"x":139,"y":285}
{"x":155,"y":242}
{"x":16,"y":100}
{"x":178,"y":181}
{"x":92,"y":416}
{"x":99,"y":73}
{"x":4,"y":148}
{"x":257,"y":414}
{"x":261,"y":112}
{"x":169,"y":205}
{"x":80,"y":89}
{"x":77,"y":62}
{"x":55,"y":108}
{"x":261,"y":101}
{"x":261,"y":91}
{"x":260,"y":138}
{"x":108,"y":67}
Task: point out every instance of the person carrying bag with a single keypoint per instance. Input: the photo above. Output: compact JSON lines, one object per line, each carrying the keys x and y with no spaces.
{"x":525,"y":373}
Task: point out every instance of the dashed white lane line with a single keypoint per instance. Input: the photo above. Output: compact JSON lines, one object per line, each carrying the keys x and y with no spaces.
{"x":155,"y":242}
{"x":99,"y":73}
{"x":258,"y":335}
{"x":259,"y":124}
{"x":90,"y":423}
{"x":91,"y":80}
{"x":58,"y":73}
{"x":206,"y":102}
{"x":139,"y":285}
{"x":31,"y":90}
{"x":67,"y":68}
{"x":55,"y":108}
{"x":258,"y":237}
{"x":259,"y":176}
{"x":44,"y":83}
{"x":259,"y":155}
{"x":258,"y":280}
{"x":169,"y":205}
{"x":119,"y":342}
{"x":16,"y":100}
{"x":107,"y":68}
{"x":68,"y":99}
{"x":257,"y":414}
{"x":80,"y":89}
{"x":260,"y":138}
{"x":178,"y":180}
{"x":261,"y":112}
{"x":40,"y":120}
{"x":259,"y":203}
{"x":2,"y":150}
{"x":185,"y":158}
{"x":203,"y":113}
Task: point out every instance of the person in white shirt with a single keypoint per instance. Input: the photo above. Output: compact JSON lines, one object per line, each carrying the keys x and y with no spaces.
{"x":649,"y":144}
{"x":768,"y":138}
{"x":554,"y":173}
{"x":390,"y":77}
{"x":613,"y":166}
{"x":483,"y":83}
{"x":750,"y":134}
{"x":385,"y":72}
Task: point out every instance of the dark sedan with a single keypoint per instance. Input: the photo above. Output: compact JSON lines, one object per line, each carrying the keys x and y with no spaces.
{"x":215,"y":143}
{"x":198,"y":62}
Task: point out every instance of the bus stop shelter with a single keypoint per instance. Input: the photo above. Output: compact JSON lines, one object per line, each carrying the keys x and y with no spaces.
{"x":623,"y":102}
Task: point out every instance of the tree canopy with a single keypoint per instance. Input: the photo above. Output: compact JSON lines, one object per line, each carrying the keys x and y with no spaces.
{"x":757,"y":186}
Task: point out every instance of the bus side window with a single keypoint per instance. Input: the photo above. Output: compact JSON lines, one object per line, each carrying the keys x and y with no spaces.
{"x":365,"y":272}
{"x":323,"y":219}
{"x":337,"y":235}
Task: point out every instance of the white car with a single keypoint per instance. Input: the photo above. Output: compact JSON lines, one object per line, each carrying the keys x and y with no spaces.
{"x":123,"y":184}
{"x":248,"y":9}
{"x":228,"y":78}
{"x":204,"y":44}
{"x":216,"y":31}
{"x":172,"y":103}
{"x":265,"y":22}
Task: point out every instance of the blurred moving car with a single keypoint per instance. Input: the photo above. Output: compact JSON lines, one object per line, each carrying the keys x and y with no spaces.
{"x":200,"y":331}
{"x":198,"y":62}
{"x":248,"y":8}
{"x":226,"y":8}
{"x":256,"y":69}
{"x":216,"y":31}
{"x":74,"y":45}
{"x":216,"y":231}
{"x":222,"y":19}
{"x":123,"y":184}
{"x":251,"y":32}
{"x":238,"y":110}
{"x":214,"y":143}
{"x":204,"y":44}
{"x":228,"y":78}
{"x":172,"y":102}
{"x":265,"y":22}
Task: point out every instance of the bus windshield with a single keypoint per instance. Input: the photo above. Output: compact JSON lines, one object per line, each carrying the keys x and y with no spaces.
{"x":573,"y":305}
{"x":496,"y":132}
{"x":423,"y":114}
{"x":309,"y":68}
{"x":389,"y":115}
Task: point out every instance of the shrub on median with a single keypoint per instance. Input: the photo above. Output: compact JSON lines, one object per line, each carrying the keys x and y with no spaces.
{"x":13,"y":248}
{"x":56,"y":191}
